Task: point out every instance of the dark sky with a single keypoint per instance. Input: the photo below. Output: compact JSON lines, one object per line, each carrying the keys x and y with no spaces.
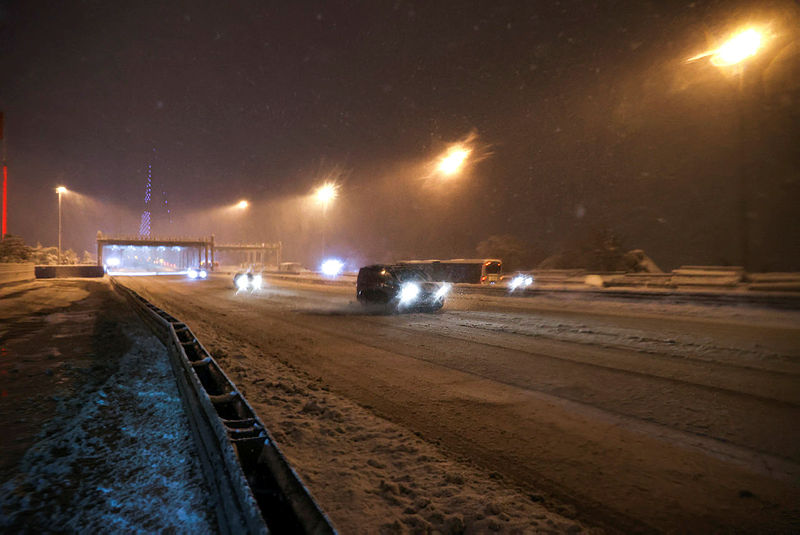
{"x":585,"y":114}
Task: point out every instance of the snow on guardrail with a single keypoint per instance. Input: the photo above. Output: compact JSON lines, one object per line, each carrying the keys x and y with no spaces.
{"x":255,"y":488}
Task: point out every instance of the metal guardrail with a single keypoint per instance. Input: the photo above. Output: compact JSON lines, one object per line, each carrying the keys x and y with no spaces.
{"x":254,"y":488}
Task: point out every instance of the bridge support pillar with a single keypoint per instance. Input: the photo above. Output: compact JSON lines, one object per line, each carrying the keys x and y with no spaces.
{"x":211,"y":267}
{"x":99,"y":249}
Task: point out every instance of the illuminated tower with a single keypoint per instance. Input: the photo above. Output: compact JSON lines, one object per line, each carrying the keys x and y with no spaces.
{"x":144,"y":226}
{"x":166,"y":213}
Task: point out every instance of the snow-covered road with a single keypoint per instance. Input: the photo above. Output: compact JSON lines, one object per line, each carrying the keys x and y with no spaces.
{"x":629,"y":416}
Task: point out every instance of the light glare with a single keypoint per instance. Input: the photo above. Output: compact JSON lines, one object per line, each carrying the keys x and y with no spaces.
{"x":520,"y":281}
{"x":443,"y":290}
{"x":452,"y":162}
{"x":326,"y":193}
{"x":241,"y":282}
{"x":408,"y":293}
{"x":738,"y":48}
{"x":331,"y":267}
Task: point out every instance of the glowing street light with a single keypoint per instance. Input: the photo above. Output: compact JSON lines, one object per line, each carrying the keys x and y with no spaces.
{"x":241,"y":205}
{"x":453,"y":160}
{"x":60,"y":190}
{"x":326,"y":193}
{"x":738,"y":48}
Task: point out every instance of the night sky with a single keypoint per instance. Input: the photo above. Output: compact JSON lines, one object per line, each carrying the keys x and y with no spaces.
{"x":584,"y":116}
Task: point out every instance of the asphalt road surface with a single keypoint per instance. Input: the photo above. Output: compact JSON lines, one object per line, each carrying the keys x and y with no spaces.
{"x":640,"y":417}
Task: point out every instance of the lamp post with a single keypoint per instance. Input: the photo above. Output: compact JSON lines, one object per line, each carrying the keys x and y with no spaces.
{"x":60,"y":190}
{"x":324,"y":195}
{"x":241,"y":206}
{"x":733,"y":54}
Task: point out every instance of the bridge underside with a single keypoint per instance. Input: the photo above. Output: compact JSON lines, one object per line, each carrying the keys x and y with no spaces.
{"x":177,"y":253}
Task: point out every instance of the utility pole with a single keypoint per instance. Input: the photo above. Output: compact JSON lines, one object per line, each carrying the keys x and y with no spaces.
{"x":59,"y":228}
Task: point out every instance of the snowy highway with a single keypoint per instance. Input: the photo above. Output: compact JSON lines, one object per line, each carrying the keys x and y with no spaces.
{"x":627,"y":416}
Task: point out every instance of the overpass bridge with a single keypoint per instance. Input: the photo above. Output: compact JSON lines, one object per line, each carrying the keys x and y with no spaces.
{"x":206,"y":248}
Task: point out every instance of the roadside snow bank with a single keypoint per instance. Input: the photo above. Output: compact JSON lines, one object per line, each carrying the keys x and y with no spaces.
{"x":117,"y":458}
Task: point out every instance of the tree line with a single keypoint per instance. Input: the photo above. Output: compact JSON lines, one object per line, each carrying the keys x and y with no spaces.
{"x":14,"y":250}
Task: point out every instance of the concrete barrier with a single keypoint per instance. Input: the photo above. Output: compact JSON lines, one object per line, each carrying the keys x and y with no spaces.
{"x":78,"y":270}
{"x":312,"y":278}
{"x":16,"y":272}
{"x":781,"y":282}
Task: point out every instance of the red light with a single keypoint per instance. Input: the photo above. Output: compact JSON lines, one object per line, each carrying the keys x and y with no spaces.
{"x":5,"y":201}
{"x":483,"y":278}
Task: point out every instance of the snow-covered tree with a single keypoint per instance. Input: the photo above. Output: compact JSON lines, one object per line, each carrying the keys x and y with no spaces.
{"x":13,"y":249}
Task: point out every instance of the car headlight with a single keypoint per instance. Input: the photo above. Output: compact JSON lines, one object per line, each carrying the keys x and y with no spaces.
{"x":192,"y":273}
{"x":520,"y":281}
{"x":241,"y":282}
{"x":203,"y":273}
{"x":408,"y":293}
{"x":257,"y":282}
{"x":443,"y":290}
{"x":332,"y":267}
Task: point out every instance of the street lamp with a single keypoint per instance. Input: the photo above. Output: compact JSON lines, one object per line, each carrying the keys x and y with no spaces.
{"x":324,"y":195}
{"x":60,"y":190}
{"x":734,"y":52}
{"x":241,"y":205}
{"x":453,"y":160}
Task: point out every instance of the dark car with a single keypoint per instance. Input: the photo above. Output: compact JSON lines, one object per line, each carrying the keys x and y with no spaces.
{"x":399,"y":288}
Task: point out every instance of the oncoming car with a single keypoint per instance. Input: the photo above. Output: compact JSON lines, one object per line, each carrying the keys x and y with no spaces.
{"x":520,"y":281}
{"x":399,"y":288}
{"x":247,"y":281}
{"x":193,"y":273}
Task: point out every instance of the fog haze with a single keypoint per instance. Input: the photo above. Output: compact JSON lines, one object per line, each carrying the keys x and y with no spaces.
{"x":585,"y":114}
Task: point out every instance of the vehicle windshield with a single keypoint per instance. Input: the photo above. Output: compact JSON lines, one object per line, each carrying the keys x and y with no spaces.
{"x":493,"y":267}
{"x":409,"y":275}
